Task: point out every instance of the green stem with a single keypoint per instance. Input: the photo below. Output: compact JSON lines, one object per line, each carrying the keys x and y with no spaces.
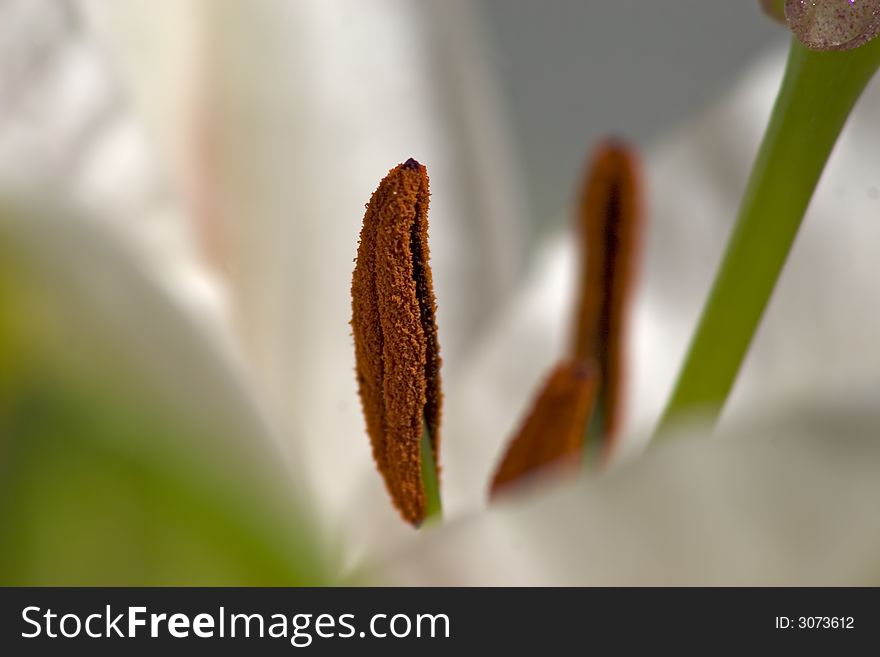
{"x":434,"y":507}
{"x":817,"y":94}
{"x":594,"y":432}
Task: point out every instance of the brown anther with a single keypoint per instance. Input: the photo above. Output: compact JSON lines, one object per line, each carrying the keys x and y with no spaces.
{"x":553,"y":433}
{"x":395,"y":334}
{"x":610,"y":224}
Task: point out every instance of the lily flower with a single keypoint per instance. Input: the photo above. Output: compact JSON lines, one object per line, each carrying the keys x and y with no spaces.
{"x":195,"y":303}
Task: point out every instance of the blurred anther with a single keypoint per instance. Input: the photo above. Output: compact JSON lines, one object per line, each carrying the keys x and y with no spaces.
{"x":551,"y":437}
{"x":610,"y":224}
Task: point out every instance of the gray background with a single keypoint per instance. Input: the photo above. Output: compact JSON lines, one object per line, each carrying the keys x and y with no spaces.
{"x":575,"y":70}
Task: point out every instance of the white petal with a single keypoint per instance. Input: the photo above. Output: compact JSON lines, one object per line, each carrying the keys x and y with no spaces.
{"x":487,"y":403}
{"x":786,"y":503}
{"x":122,"y":304}
{"x":309,"y":104}
{"x":70,"y":139}
{"x":153,"y":54}
{"x":70,"y":128}
{"x":67,"y":125}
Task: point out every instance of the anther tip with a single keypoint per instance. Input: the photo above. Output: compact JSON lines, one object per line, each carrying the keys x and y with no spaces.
{"x":411,"y":164}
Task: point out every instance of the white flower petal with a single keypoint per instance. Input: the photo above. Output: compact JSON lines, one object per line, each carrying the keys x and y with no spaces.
{"x":153,"y":52}
{"x":117,"y":326}
{"x":67,"y":125}
{"x":489,"y":400}
{"x":73,"y":153}
{"x":787,"y":503}
{"x":121,"y":303}
{"x":308,"y":105}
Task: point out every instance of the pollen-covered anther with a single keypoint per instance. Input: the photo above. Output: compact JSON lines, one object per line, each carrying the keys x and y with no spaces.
{"x":610,"y":225}
{"x":551,"y":437}
{"x":395,"y":334}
